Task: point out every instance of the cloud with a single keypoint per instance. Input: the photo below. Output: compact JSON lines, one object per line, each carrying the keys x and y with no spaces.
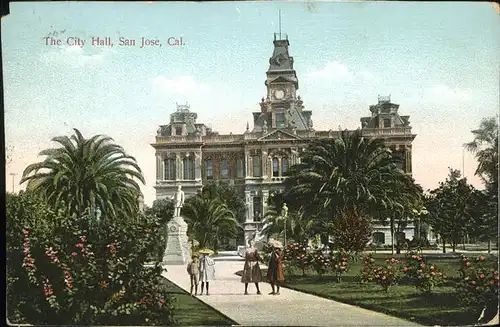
{"x":183,"y":85}
{"x":445,"y":93}
{"x":332,"y":71}
{"x":337,"y":72}
{"x":75,"y":56}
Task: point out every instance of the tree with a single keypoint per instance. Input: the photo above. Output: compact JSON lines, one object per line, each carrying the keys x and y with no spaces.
{"x":81,"y":272}
{"x":298,"y":227}
{"x":209,"y":220}
{"x":87,"y":174}
{"x":350,"y":231}
{"x":229,"y":195}
{"x":485,"y":149}
{"x":449,"y":208}
{"x":350,"y":173}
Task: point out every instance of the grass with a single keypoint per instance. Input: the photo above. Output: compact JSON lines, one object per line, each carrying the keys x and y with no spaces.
{"x":190,"y":311}
{"x":404,"y":301}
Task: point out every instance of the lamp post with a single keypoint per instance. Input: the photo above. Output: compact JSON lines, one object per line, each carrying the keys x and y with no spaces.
{"x":284,"y":215}
{"x":13,"y":175}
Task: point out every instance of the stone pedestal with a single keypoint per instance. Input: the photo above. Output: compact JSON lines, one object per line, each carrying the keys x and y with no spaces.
{"x":177,"y":251}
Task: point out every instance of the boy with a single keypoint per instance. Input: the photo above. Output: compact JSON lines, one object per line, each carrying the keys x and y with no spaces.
{"x":194,"y":273}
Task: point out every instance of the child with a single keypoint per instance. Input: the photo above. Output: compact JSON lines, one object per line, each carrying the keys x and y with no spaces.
{"x":194,"y":273}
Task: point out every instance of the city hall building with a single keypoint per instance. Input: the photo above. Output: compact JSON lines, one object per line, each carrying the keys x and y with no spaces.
{"x":189,"y":153}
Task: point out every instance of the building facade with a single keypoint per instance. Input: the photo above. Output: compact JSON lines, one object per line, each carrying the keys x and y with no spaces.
{"x":190,"y":154}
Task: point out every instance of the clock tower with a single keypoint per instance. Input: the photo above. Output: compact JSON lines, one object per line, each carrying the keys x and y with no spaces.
{"x":281,"y":108}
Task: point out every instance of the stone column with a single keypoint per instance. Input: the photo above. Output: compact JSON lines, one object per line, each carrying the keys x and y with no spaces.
{"x":178,"y":166}
{"x":263,"y":163}
{"x":158,"y":167}
{"x":279,"y":166}
{"x":247,"y":163}
{"x":197,"y":165}
{"x":408,"y":158}
{"x":265,"y":197}
{"x":248,"y":206}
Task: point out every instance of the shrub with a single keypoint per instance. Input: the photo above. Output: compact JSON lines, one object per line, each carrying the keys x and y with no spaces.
{"x":478,"y":285}
{"x":340,"y":264}
{"x":367,"y":271}
{"x":422,"y":274}
{"x":351,"y":231}
{"x":387,"y":276}
{"x":320,"y":262}
{"x":83,"y":273}
{"x":297,"y":255}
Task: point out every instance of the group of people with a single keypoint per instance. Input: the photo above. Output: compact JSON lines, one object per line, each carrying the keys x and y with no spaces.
{"x":202,"y":269}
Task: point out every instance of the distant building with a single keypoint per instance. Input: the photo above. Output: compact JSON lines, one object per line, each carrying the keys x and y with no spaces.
{"x":190,"y":154}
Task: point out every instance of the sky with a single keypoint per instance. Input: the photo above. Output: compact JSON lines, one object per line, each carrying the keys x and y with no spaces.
{"x":438,"y":61}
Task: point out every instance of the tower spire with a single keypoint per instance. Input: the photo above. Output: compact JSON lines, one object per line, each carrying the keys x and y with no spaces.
{"x":279,"y":13}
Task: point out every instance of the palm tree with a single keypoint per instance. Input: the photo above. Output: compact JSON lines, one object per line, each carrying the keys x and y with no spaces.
{"x":485,"y":148}
{"x":298,"y":227}
{"x":86,"y":174}
{"x":348,"y":172}
{"x":209,"y":220}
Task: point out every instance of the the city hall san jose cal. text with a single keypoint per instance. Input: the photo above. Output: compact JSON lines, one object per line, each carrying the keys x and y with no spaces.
{"x":107,"y":41}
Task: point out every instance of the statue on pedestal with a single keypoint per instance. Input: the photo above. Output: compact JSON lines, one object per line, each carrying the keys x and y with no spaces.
{"x":178,"y":201}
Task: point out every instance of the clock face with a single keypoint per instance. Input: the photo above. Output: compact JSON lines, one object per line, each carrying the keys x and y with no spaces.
{"x":279,"y":94}
{"x":173,"y":229}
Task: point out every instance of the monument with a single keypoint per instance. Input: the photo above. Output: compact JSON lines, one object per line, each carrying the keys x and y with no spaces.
{"x":177,"y":251}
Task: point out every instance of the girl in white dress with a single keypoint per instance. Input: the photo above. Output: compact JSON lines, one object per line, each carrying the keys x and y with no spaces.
{"x":207,"y":271}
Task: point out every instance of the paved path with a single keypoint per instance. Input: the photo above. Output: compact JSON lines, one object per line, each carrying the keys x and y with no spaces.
{"x":291,"y":308}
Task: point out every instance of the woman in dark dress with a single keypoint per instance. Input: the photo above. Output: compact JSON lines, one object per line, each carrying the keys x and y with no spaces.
{"x":275,"y":272}
{"x":251,"y":269}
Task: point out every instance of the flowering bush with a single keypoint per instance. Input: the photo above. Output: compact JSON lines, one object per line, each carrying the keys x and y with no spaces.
{"x":478,"y":285}
{"x":320,"y":262}
{"x":421,"y":273}
{"x":368,"y":268}
{"x":297,"y":255}
{"x":387,"y":276}
{"x":77,"y":273}
{"x":340,"y":265}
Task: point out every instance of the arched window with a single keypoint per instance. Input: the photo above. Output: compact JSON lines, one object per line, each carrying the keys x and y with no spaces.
{"x":169,"y":167}
{"x":188,"y":164}
{"x":378,"y":238}
{"x":209,"y":171}
{"x":240,"y":168}
{"x":276,"y":171}
{"x":224,"y":169}
{"x":257,"y":166}
{"x":284,"y":166}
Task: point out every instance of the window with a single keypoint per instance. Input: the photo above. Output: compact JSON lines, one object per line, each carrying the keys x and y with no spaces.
{"x":240,"y":168}
{"x":276,"y":172}
{"x":224,"y":168}
{"x":378,"y":238}
{"x":400,"y":237}
{"x":257,"y":208}
{"x":280,"y":120}
{"x":257,"y":165}
{"x":387,"y":123}
{"x":169,"y":166}
{"x":284,"y":166}
{"x":209,"y":172}
{"x":188,"y":164}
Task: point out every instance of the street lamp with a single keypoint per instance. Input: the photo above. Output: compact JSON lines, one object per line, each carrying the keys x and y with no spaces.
{"x":284,"y":215}
{"x":13,"y":175}
{"x":98,"y":213}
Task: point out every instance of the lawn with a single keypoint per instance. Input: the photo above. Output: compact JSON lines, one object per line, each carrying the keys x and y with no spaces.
{"x":404,"y":301}
{"x":190,"y":311}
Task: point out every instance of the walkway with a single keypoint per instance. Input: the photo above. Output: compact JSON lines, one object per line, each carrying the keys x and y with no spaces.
{"x":291,"y":308}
